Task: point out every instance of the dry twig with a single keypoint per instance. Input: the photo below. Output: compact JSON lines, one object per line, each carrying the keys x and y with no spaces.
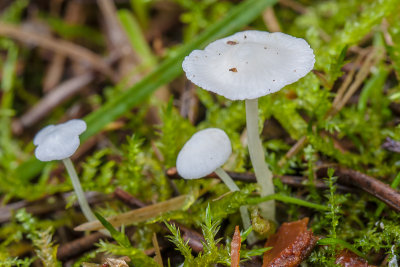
{"x":51,"y":100}
{"x":128,"y":199}
{"x":344,"y":96}
{"x":158,"y":257}
{"x":295,"y":181}
{"x":74,"y":15}
{"x":270,"y":20}
{"x":76,"y":52}
{"x":293,"y":150}
{"x":370,"y":185}
{"x":295,"y":5}
{"x":78,"y":246}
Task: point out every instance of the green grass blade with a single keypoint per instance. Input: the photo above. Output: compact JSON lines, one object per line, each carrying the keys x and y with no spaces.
{"x":121,"y":238}
{"x":168,"y":70}
{"x":287,"y":199}
{"x":136,"y":37}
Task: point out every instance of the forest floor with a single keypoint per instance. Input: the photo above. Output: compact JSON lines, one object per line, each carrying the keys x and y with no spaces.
{"x":331,"y":139}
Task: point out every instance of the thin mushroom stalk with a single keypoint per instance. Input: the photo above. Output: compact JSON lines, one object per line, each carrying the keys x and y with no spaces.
{"x":59,"y":142}
{"x":86,"y":210}
{"x":227,"y":179}
{"x":244,"y":213}
{"x":256,"y":151}
{"x":78,"y":190}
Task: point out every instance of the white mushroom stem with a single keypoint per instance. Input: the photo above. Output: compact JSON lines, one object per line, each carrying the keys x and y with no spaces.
{"x":78,"y":190}
{"x":227,"y":179}
{"x":244,"y":213}
{"x":257,"y":156}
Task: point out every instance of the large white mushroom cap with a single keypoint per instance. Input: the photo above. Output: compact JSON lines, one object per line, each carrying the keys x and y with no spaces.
{"x":205,"y":151}
{"x":249,"y":64}
{"x":57,"y":142}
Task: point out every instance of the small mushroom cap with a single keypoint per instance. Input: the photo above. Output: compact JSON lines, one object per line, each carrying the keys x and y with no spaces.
{"x":57,"y":142}
{"x":249,"y":64}
{"x":205,"y":151}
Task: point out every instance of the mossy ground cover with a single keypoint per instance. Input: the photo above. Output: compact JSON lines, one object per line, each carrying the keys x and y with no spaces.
{"x":117,"y":65}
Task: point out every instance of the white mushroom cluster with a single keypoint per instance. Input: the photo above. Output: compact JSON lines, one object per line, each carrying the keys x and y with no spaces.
{"x":245,"y":66}
{"x":57,"y":142}
{"x":249,"y":64}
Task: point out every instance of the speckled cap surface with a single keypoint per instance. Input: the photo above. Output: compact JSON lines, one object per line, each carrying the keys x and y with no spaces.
{"x":249,"y":64}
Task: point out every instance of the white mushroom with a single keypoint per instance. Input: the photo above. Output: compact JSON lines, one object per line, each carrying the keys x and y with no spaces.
{"x":205,"y":152}
{"x":245,"y":66}
{"x":249,"y":64}
{"x":59,"y":142}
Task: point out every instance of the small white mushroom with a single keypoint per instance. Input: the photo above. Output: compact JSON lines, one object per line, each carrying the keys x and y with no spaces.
{"x":205,"y":152}
{"x":245,"y":66}
{"x":59,"y":142}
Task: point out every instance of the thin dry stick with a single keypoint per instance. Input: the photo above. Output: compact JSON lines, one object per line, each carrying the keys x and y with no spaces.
{"x":128,"y":199}
{"x":295,"y":5}
{"x":54,"y":98}
{"x":349,"y":78}
{"x":78,"y":246}
{"x":129,"y":57}
{"x":118,"y":38}
{"x":74,"y":51}
{"x":54,"y":72}
{"x":115,"y":32}
{"x":270,"y":20}
{"x":158,"y":257}
{"x":371,"y":59}
{"x":248,"y":177}
{"x":370,"y":185}
{"x":293,"y":150}
{"x":189,"y":102}
{"x":74,"y":15}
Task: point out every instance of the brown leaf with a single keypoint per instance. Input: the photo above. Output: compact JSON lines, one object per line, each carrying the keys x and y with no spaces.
{"x":290,"y":245}
{"x":235,"y":248}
